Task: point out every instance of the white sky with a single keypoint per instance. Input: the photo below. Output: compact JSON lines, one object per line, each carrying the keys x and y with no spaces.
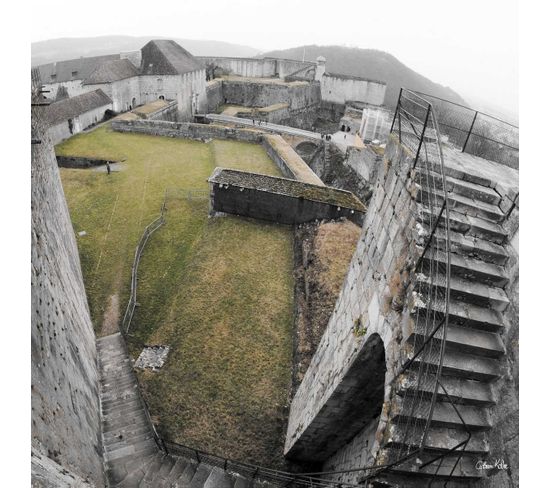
{"x":470,"y":45}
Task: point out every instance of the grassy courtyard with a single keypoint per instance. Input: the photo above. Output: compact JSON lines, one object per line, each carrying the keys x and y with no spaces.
{"x":218,"y":291}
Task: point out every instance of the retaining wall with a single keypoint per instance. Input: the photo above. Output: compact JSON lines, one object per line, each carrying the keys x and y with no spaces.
{"x":66,"y":424}
{"x":333,"y":403}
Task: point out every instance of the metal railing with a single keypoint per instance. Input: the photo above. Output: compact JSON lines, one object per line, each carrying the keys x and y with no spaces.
{"x":418,"y":383}
{"x":475,"y":132}
{"x":132,"y":302}
{"x":255,"y":472}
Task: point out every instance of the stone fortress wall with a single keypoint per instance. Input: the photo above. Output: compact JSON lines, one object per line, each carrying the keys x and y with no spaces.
{"x":65,"y":386}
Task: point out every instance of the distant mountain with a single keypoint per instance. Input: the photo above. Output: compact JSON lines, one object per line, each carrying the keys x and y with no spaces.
{"x":370,"y":63}
{"x":52,"y":50}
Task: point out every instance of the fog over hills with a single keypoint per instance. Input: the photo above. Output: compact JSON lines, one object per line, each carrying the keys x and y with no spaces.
{"x":52,"y":50}
{"x":371,"y":63}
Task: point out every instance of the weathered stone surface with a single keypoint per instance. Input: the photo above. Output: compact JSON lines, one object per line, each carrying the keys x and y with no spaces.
{"x":65,"y":383}
{"x":152,"y":357}
{"x":279,"y":199}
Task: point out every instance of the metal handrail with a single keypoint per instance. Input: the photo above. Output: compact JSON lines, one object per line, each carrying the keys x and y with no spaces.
{"x":434,"y":329}
{"x":279,"y":477}
{"x":474,"y":132}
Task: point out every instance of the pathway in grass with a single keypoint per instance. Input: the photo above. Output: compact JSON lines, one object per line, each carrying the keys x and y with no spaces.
{"x":219,"y":291}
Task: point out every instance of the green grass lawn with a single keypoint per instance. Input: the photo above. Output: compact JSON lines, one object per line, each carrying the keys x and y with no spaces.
{"x":218,"y":291}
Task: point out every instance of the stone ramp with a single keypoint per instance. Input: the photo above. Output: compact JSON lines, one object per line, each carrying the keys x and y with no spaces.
{"x":131,"y":455}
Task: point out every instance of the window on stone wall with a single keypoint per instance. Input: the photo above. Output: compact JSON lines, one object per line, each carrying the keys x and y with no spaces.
{"x":159,"y":83}
{"x":74,"y":73}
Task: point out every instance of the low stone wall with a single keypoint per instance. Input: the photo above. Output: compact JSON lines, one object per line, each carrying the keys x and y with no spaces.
{"x":79,"y":162}
{"x":280,"y":200}
{"x":291,"y":165}
{"x":186,"y":130}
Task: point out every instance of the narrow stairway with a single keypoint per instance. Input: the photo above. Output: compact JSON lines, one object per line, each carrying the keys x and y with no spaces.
{"x":474,"y":347}
{"x":131,"y":455}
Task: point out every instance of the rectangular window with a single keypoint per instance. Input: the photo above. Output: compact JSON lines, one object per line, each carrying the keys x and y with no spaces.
{"x":74,"y":73}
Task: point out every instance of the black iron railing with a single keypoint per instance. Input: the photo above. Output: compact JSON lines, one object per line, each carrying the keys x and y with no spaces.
{"x":255,"y":472}
{"x":475,"y":132}
{"x":418,"y":382}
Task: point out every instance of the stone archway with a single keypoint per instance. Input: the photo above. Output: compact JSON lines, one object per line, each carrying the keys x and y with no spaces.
{"x":354,"y":406}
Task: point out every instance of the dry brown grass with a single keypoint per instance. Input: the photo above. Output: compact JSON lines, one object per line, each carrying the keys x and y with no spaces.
{"x":334,"y":246}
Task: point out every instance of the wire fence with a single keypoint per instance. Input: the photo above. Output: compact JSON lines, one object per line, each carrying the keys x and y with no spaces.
{"x":132,"y":302}
{"x":475,"y":132}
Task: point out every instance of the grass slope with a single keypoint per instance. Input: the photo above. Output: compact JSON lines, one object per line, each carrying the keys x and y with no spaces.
{"x":219,"y":291}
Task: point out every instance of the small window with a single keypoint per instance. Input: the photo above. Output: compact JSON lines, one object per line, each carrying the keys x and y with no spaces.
{"x":53,"y":77}
{"x":74,"y":73}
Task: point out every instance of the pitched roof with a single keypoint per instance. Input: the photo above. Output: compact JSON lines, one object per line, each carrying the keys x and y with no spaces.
{"x":166,"y":57}
{"x":71,"y":107}
{"x":73,"y":69}
{"x":117,"y":69}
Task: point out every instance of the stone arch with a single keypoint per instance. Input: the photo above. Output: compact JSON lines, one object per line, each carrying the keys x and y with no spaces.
{"x":354,"y":406}
{"x":305,"y":149}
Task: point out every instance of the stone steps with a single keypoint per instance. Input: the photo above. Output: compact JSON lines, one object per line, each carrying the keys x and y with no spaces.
{"x":467,"y":315}
{"x":465,"y":224}
{"x":470,"y":341}
{"x":472,"y":247}
{"x":462,"y":365}
{"x":457,"y":186}
{"x":441,"y":439}
{"x":462,"y":204}
{"x":460,"y":390}
{"x":467,"y":268}
{"x":464,"y":470}
{"x":444,"y":415}
{"x":463,"y":290}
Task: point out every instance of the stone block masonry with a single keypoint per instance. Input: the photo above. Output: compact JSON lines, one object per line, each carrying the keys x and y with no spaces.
{"x":186,"y":130}
{"x":356,"y":358}
{"x":66,"y":424}
{"x":279,"y":200}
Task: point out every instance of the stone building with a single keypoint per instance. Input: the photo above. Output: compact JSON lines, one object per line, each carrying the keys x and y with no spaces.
{"x":169,"y":72}
{"x":70,"y":74}
{"x":70,"y":116}
{"x":166,"y":72}
{"x":119,"y":79}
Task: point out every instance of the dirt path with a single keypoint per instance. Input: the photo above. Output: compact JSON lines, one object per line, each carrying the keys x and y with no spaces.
{"x":111,"y":316}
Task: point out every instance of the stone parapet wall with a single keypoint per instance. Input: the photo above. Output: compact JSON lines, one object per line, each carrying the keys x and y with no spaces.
{"x":287,"y":160}
{"x":186,"y":130}
{"x":322,"y":416}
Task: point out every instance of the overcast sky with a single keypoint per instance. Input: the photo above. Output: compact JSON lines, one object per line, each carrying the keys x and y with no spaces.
{"x":470,"y":45}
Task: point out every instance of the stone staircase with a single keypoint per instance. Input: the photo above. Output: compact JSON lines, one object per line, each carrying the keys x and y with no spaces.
{"x":474,"y":347}
{"x":131,"y":455}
